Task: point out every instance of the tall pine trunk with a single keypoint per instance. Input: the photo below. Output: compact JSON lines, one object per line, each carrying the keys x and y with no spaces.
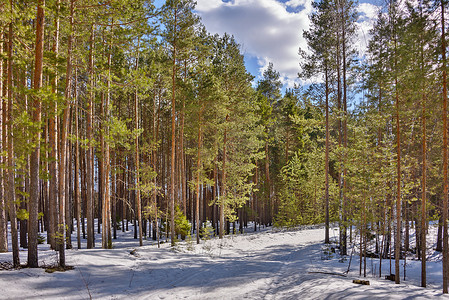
{"x":326,"y":233}
{"x":10,"y":142}
{"x":173,"y":141}
{"x":445,"y":153}
{"x":90,"y":151}
{"x":53,"y":182}
{"x":137,"y":158}
{"x":105,"y":186}
{"x":3,"y":207}
{"x":198,"y":168}
{"x":77,"y":170}
{"x":35,"y":155}
{"x":345,"y":134}
{"x":397,"y":242}
{"x":424,"y":171}
{"x":224,"y":183}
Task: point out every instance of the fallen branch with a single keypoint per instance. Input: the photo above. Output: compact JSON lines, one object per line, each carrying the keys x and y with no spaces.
{"x":328,"y":273}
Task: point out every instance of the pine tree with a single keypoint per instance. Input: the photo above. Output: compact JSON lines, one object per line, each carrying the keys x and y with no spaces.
{"x":35,"y":159}
{"x":445,"y":156}
{"x":320,"y":39}
{"x":3,"y":206}
{"x":179,"y":22}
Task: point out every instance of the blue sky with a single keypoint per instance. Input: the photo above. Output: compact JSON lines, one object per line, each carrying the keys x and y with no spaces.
{"x":271,"y":30}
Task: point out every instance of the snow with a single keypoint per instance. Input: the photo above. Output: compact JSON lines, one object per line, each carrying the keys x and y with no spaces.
{"x":268,"y":264}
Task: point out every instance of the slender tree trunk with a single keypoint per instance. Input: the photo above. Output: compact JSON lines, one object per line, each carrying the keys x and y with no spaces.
{"x":114,"y":196}
{"x":68,"y":186}
{"x":445,"y":158}
{"x":106,"y":211}
{"x":340,"y":137}
{"x":267,"y":183}
{"x":90,"y":154}
{"x":424,"y":174}
{"x":77,"y":170}
{"x":326,"y":162}
{"x":138,"y":200}
{"x":3,"y":207}
{"x":23,"y":226}
{"x":345,"y":134}
{"x":154,"y":158}
{"x":198,"y":168}
{"x":53,"y":192}
{"x":106,"y":177}
{"x":397,"y":243}
{"x":35,"y":159}
{"x":173,"y":141}
{"x":224,"y":184}
{"x":10,"y":172}
{"x":182,"y":155}
{"x":64,"y":151}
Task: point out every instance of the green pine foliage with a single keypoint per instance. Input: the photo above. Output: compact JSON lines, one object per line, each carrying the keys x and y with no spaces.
{"x":248,"y":150}
{"x":302,"y":177}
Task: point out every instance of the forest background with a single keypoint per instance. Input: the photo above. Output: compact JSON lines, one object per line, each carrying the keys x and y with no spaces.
{"x":121,"y":112}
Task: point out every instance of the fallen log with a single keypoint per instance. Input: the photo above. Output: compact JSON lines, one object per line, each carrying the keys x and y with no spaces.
{"x":358,"y":281}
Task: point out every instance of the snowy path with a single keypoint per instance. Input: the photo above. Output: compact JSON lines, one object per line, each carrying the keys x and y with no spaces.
{"x":263,"y":265}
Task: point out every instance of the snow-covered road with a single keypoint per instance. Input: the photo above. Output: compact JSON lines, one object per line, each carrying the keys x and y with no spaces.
{"x":263,"y":265}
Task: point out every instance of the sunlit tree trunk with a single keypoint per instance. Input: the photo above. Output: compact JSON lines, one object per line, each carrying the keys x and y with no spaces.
{"x":424,"y":171}
{"x":77,"y":170}
{"x":224,"y":184}
{"x":326,"y":236}
{"x":3,"y":207}
{"x":345,"y":131}
{"x":34,"y":158}
{"x":9,"y":190}
{"x":64,"y":152}
{"x":445,"y":153}
{"x":53,"y":188}
{"x":198,"y":168}
{"x":397,"y":242}
{"x":106,"y":211}
{"x":90,"y":154}
{"x":173,"y":141}
{"x":137,"y":158}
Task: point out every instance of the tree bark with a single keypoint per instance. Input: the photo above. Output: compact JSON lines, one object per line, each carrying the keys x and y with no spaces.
{"x":77,"y":171}
{"x":106,"y":211}
{"x":445,"y":158}
{"x":173,"y":141}
{"x":424,"y":172}
{"x":90,"y":154}
{"x":326,"y":162}
{"x":35,"y":159}
{"x":345,"y":133}
{"x":53,"y":182}
{"x":397,"y":242}
{"x":267,"y":183}
{"x":3,"y":207}
{"x":224,"y":184}
{"x":138,"y":200}
{"x":198,"y":168}
{"x":10,"y":142}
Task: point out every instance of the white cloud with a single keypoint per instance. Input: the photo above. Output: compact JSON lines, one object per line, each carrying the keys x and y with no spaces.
{"x":367,"y":15}
{"x":296,"y":3}
{"x":208,"y":5}
{"x":368,"y":10}
{"x":264,"y":28}
{"x":271,"y":31}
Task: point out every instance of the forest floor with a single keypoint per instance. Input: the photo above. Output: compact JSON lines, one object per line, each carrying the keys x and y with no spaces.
{"x":268,"y":264}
